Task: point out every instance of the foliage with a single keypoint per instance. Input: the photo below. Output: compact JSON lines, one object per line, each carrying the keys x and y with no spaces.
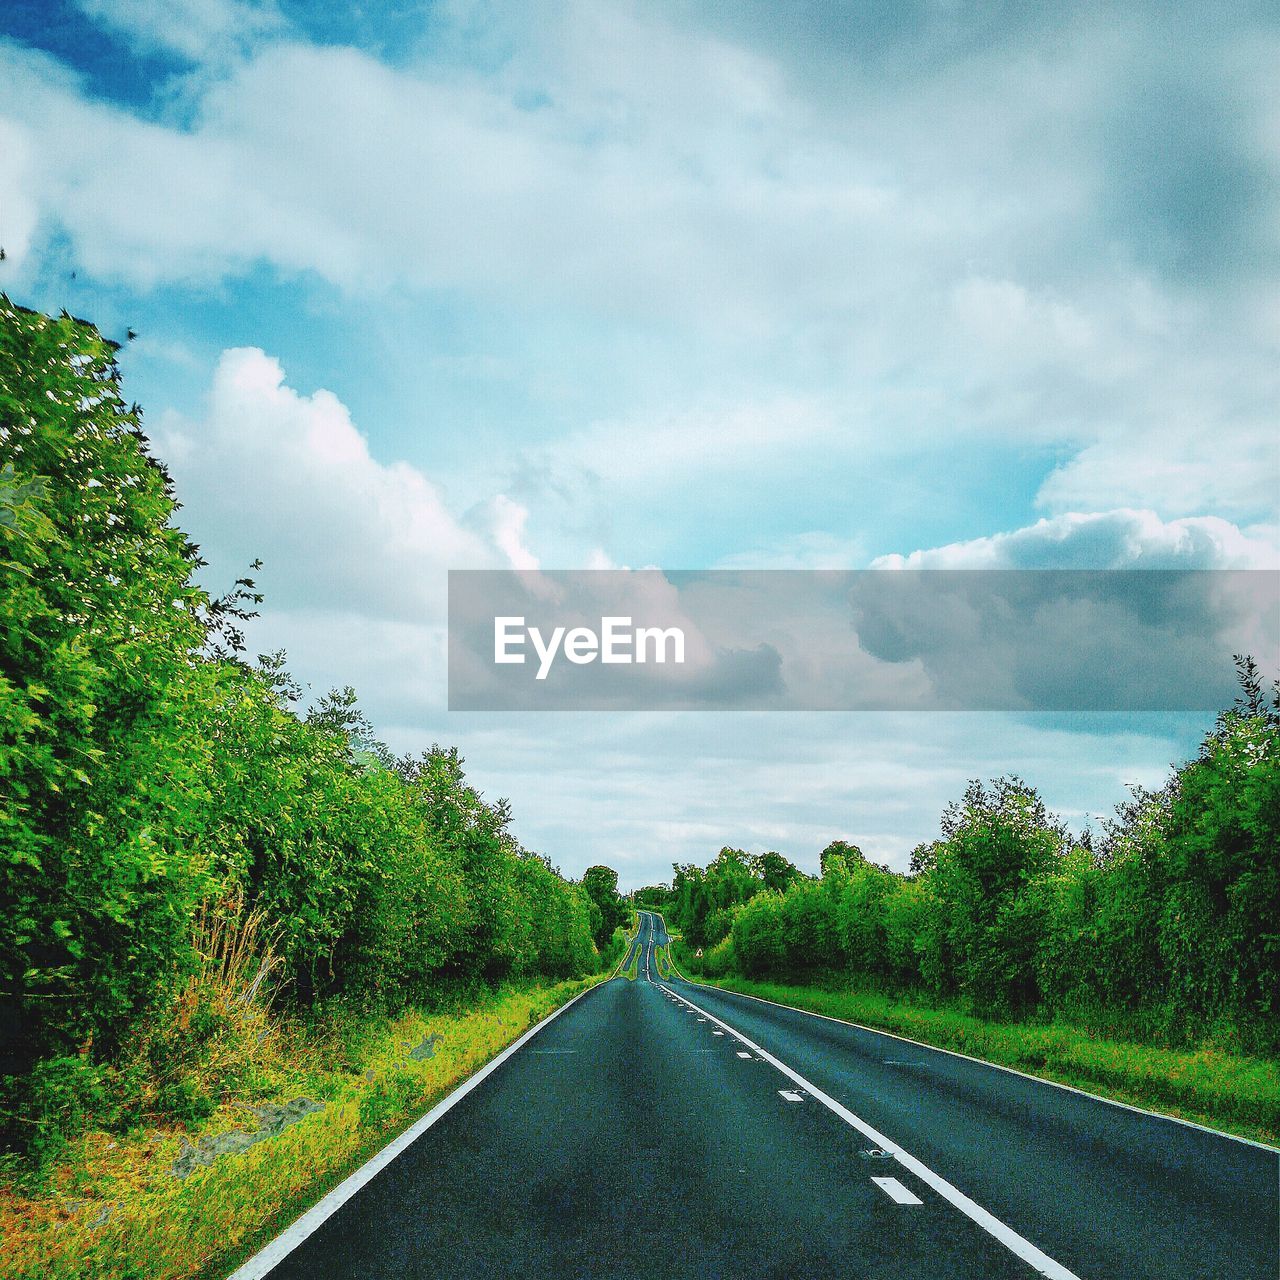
{"x":703,"y":901}
{"x":609,"y":912}
{"x":1166,"y":928}
{"x":99,"y":631}
{"x":153,"y":777}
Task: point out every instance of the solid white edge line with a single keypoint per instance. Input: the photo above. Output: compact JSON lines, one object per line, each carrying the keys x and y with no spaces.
{"x":1007,"y":1236}
{"x":279,"y":1248}
{"x":896,"y":1191}
{"x":995,"y":1066}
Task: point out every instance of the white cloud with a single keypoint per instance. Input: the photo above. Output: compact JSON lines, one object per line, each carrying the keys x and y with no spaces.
{"x":1120,"y":539}
{"x":503,"y":522}
{"x":854,"y":261}
{"x":629,"y":168}
{"x":622,"y":790}
{"x":1208,"y":464}
{"x":19,"y":208}
{"x":287,"y":477}
{"x":197,"y":29}
{"x":1008,"y":318}
{"x":813,"y":550}
{"x":648,"y":451}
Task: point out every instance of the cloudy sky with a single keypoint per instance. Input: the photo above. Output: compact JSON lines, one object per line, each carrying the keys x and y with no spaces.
{"x":421,"y":286}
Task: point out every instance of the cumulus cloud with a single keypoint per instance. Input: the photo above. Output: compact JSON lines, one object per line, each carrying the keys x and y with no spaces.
{"x":270,"y":472}
{"x":1227,"y":462}
{"x":1119,"y":539}
{"x":1053,"y":639}
{"x":903,"y":230}
{"x":19,"y":209}
{"x":623,"y":791}
{"x":824,"y":215}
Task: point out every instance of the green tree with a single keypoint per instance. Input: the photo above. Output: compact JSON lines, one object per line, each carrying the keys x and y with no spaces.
{"x":995,"y":842}
{"x":100,"y":631}
{"x":1220,"y":927}
{"x":601,"y":886}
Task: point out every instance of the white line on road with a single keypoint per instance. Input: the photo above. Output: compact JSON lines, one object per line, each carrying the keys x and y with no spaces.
{"x":1007,"y":1236}
{"x":896,"y":1191}
{"x":288,"y":1240}
{"x":983,"y":1062}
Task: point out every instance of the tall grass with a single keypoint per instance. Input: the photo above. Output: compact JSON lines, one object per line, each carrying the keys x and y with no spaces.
{"x":112,"y":1208}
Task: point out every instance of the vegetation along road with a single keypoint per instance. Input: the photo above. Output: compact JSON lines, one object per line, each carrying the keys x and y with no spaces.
{"x":728,"y":1136}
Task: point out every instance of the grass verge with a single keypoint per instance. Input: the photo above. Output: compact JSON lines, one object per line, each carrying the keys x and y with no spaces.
{"x":630,"y":957}
{"x":1238,"y":1094}
{"x":113,"y":1209}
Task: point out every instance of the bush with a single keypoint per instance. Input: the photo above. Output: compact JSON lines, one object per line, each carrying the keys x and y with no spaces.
{"x":154,"y":777}
{"x":1168,"y":929}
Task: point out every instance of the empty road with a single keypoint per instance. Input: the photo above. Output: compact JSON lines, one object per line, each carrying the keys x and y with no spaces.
{"x":660,"y":1125}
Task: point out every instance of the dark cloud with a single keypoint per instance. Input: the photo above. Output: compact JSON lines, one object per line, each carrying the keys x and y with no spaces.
{"x":1181,"y":189}
{"x":1071,"y":640}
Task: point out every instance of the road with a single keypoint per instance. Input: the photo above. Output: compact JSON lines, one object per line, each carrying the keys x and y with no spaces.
{"x":660,"y":1125}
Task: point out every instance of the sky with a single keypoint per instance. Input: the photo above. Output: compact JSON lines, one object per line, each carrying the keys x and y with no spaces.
{"x":420,"y":286}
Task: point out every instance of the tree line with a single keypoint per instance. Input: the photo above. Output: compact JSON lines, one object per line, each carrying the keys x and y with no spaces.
{"x":1165,"y":925}
{"x":151,"y":774}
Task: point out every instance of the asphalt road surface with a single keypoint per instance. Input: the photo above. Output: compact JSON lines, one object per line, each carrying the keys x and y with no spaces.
{"x":662,"y":1126}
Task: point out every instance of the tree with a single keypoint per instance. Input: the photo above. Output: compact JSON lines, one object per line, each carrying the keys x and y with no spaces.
{"x":100,"y":632}
{"x":850,"y":853}
{"x":601,"y":885}
{"x":1220,"y":927}
{"x":995,"y":842}
{"x":775,"y":872}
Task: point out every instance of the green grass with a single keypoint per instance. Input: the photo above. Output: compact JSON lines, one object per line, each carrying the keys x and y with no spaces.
{"x":632,"y":971}
{"x":162,"y":1227}
{"x":1238,"y":1094}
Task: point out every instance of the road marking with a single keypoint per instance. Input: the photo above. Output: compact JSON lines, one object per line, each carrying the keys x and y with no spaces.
{"x":982,"y":1062}
{"x":790,"y":1095}
{"x":896,"y":1191}
{"x":1007,"y":1236}
{"x":267,"y":1258}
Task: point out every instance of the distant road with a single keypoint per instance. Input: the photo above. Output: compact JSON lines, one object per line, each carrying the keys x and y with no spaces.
{"x":665,"y":1127}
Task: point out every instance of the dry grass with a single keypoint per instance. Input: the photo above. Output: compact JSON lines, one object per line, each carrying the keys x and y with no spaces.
{"x":114,"y":1211}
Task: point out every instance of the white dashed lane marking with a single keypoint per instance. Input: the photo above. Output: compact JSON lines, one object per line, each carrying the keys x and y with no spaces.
{"x":1017,"y":1244}
{"x":896,"y":1191}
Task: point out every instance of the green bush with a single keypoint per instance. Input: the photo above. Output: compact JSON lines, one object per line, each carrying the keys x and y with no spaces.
{"x":152,"y":774}
{"x":61,"y":1097}
{"x":1167,"y":928}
